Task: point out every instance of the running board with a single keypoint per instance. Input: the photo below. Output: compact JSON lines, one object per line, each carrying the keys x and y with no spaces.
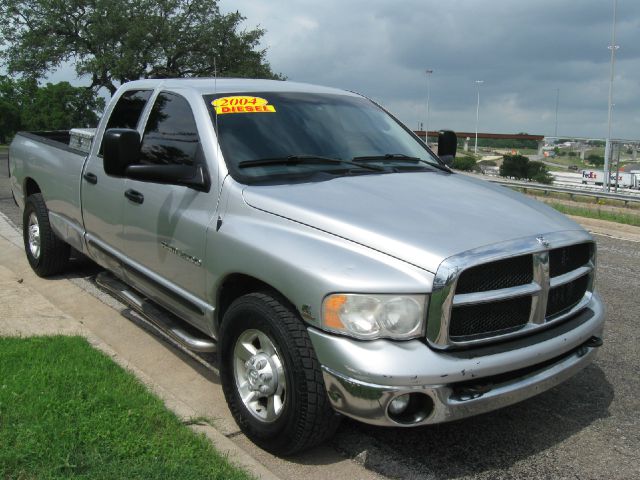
{"x":161,"y":319}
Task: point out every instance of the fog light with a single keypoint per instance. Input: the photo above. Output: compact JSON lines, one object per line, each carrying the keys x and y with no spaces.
{"x":399,"y":404}
{"x":410,"y":408}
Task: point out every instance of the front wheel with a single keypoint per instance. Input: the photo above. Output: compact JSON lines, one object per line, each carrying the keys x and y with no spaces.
{"x":271,"y":377}
{"x":47,"y":254}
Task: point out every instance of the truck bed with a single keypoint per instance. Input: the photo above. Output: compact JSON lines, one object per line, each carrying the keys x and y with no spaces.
{"x":46,"y":159}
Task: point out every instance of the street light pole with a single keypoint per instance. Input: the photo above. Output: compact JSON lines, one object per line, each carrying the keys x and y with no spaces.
{"x":608,"y":150}
{"x":557,"y":101}
{"x":478,"y":83}
{"x":426,"y":130}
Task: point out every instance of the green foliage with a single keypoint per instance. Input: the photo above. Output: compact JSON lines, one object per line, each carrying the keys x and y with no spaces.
{"x":9,"y":109}
{"x":507,"y":143}
{"x":60,"y":106}
{"x":26,"y":106}
{"x":120,"y":40}
{"x":68,"y":411}
{"x":9,"y":120}
{"x":628,"y":219}
{"x":514,"y":166}
{"x":596,"y":160}
{"x":537,"y":171}
{"x":519,"y":166}
{"x":464,"y":163}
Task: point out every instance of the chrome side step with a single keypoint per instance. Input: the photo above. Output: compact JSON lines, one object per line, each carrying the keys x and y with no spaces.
{"x":167,"y":323}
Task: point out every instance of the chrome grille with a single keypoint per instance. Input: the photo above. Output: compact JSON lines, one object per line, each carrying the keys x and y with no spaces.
{"x":493,"y":318}
{"x":564,"y":297}
{"x":506,"y":273}
{"x":478,"y":298}
{"x":566,"y":259}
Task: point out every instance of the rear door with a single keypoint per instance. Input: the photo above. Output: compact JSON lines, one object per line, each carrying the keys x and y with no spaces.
{"x":102,"y":195}
{"x":165,"y":226}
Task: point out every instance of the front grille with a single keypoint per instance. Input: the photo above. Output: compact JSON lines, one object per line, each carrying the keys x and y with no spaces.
{"x":565,"y":259}
{"x":506,"y":273}
{"x":489,"y":300}
{"x":488,"y":319}
{"x":564,"y":297}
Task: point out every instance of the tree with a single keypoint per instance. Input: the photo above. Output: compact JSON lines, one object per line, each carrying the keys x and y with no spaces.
{"x":114,"y":41}
{"x":537,"y":171}
{"x":519,"y":166}
{"x":514,"y":166}
{"x":26,"y":106}
{"x":9,"y":109}
{"x":464,"y":163}
{"x":596,"y":160}
{"x":60,"y":106}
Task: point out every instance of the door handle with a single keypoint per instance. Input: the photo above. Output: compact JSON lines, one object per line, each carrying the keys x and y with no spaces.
{"x":135,"y":197}
{"x":91,"y":178}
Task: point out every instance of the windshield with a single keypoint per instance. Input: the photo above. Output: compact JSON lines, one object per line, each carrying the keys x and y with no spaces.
{"x":271,"y":135}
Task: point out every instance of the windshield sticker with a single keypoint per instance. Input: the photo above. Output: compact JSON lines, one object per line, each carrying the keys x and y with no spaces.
{"x":242,"y":104}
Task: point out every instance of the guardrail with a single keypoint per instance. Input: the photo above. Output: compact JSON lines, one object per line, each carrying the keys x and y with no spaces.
{"x":569,"y":191}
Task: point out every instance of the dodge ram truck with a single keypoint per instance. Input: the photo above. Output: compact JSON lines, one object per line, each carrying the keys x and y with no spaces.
{"x":335,"y":264}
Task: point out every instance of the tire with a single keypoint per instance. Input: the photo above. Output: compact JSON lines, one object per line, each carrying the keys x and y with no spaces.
{"x":47,"y":254}
{"x":263,"y":338}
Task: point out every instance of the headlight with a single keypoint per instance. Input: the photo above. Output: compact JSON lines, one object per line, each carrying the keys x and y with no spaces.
{"x":375,"y":316}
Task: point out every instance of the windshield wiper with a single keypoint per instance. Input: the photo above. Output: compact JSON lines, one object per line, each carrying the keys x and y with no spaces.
{"x":305,"y":160}
{"x":387,"y":156}
{"x":400,"y":157}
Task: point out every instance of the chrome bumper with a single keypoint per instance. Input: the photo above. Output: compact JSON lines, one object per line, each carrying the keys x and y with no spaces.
{"x":451,"y":386}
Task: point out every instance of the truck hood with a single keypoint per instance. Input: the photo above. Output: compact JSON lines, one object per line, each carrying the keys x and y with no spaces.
{"x":421,"y":218}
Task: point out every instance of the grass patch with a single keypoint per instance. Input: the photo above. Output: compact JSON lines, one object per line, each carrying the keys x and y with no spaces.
{"x":68,"y":411}
{"x":627,"y":219}
{"x":576,"y":197}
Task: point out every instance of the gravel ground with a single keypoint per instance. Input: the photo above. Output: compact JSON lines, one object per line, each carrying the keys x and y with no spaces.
{"x":587,"y":428}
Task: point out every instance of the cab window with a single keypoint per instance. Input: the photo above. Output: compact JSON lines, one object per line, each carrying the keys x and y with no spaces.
{"x":170,"y":136}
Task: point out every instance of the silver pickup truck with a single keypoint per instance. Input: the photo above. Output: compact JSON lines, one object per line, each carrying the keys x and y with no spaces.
{"x":333,"y":261}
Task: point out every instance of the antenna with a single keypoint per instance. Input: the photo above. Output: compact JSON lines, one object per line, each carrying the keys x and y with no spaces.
{"x":215,"y":94}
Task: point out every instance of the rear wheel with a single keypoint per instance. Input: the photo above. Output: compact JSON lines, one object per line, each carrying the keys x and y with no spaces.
{"x":47,"y":254}
{"x":271,"y":377}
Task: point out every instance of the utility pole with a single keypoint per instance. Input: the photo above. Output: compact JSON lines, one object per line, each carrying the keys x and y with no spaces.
{"x":555,"y":132}
{"x":426,"y":131}
{"x":608,"y":149}
{"x":478,"y":83}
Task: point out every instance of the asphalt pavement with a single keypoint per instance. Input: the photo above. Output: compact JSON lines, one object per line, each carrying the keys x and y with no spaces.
{"x":586,"y":428}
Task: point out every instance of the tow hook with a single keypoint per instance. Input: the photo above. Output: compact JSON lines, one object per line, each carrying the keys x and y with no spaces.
{"x":470,"y":392}
{"x":593,"y":342}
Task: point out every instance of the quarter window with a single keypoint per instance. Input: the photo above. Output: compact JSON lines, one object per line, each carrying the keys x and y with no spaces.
{"x":171,"y":135}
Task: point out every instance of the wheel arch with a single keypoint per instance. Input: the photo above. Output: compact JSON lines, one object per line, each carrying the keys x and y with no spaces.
{"x":30,"y":187}
{"x":235,"y":285}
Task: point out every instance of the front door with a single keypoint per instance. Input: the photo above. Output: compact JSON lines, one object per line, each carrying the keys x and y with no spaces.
{"x":165,"y":226}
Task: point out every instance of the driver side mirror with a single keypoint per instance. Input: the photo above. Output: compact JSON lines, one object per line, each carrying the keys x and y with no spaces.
{"x":121,"y":149}
{"x":447,"y":146}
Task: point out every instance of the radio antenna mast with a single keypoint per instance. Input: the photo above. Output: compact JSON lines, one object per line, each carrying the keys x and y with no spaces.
{"x":215,"y":93}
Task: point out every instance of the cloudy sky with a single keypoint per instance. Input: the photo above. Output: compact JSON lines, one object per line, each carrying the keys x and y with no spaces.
{"x":524,"y":50}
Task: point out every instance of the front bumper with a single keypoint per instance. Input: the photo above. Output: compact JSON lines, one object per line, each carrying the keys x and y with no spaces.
{"x":362,"y":378}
